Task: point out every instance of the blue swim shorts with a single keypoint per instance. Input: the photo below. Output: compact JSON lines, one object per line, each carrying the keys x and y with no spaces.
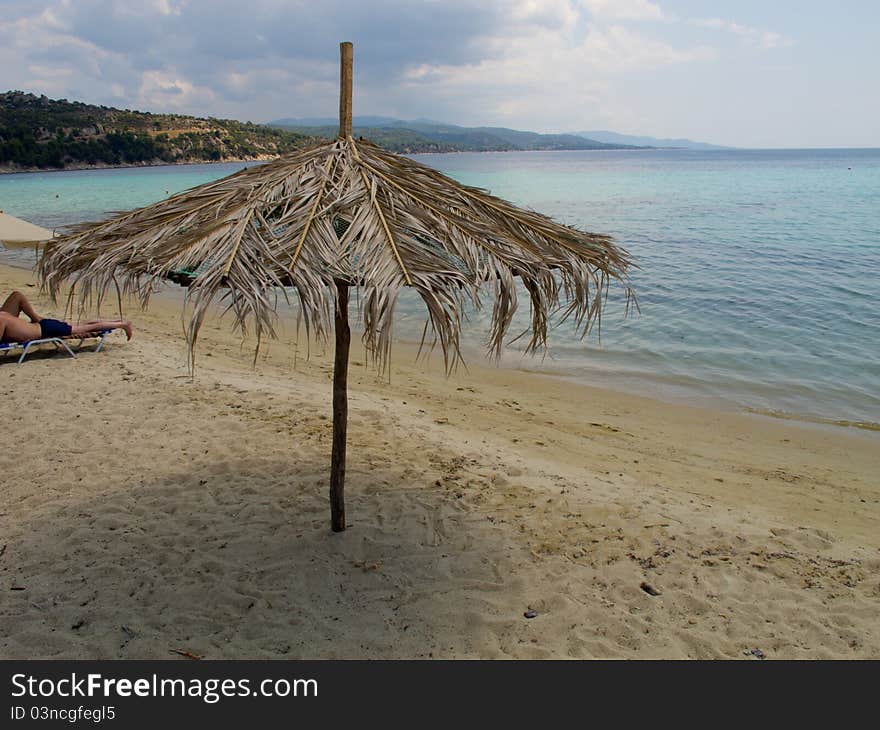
{"x":54,"y":328}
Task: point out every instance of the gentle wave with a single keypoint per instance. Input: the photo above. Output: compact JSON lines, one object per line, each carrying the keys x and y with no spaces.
{"x":865,"y":425}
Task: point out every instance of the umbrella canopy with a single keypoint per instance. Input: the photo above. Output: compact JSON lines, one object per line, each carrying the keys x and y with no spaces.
{"x":16,"y":231}
{"x":339,"y":215}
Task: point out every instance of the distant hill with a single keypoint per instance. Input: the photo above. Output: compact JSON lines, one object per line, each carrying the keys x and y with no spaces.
{"x":422,"y":135}
{"x":330,"y":121}
{"x":395,"y":139}
{"x":41,"y":133}
{"x":615,"y":138}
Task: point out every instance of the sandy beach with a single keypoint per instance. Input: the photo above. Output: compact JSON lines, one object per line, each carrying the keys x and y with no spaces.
{"x":144,"y":512}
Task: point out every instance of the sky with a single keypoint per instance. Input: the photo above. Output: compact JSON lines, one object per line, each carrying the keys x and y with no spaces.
{"x":750,"y":73}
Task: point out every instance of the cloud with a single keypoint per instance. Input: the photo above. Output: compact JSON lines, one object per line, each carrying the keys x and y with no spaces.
{"x":500,"y":61}
{"x":537,"y":74}
{"x":753,"y":36}
{"x":624,"y":9}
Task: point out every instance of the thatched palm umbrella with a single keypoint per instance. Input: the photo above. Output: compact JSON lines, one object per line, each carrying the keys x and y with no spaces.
{"x":339,"y":215}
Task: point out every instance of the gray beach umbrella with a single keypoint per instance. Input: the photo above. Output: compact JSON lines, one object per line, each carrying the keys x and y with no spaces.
{"x":343,"y":214}
{"x":17,"y":232}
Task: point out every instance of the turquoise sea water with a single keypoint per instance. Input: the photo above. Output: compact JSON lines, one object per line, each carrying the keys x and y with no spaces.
{"x":760,"y":270}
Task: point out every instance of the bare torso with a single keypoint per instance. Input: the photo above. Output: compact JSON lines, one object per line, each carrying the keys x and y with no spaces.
{"x":17,"y":329}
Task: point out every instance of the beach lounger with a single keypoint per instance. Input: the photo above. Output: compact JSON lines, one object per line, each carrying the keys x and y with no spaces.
{"x":185,"y":277}
{"x":61,"y":343}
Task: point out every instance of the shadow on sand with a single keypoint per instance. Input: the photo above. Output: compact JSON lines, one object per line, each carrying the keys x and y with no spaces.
{"x":235,"y":559}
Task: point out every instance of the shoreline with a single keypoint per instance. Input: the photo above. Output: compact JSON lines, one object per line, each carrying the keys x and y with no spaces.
{"x":645,"y":386}
{"x":80,"y":168}
{"x":716,"y":402}
{"x":267,"y":158}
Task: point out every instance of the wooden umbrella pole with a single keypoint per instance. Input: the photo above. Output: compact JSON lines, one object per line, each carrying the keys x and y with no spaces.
{"x":343,"y":333}
{"x":346,"y":55}
{"x":340,"y":411}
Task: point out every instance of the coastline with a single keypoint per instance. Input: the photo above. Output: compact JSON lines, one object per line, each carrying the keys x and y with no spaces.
{"x":266,"y":158}
{"x":639,"y":385}
{"x":77,"y":166}
{"x":471,"y":500}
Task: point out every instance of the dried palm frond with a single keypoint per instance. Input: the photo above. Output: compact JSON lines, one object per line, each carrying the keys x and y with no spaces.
{"x":343,"y":214}
{"x":346,"y":212}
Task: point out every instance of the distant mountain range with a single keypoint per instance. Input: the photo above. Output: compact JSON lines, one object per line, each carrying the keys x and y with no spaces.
{"x":425,"y":135}
{"x":629,"y":139}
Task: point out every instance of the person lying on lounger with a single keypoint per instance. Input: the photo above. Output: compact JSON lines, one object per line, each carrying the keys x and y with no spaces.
{"x":15,"y":329}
